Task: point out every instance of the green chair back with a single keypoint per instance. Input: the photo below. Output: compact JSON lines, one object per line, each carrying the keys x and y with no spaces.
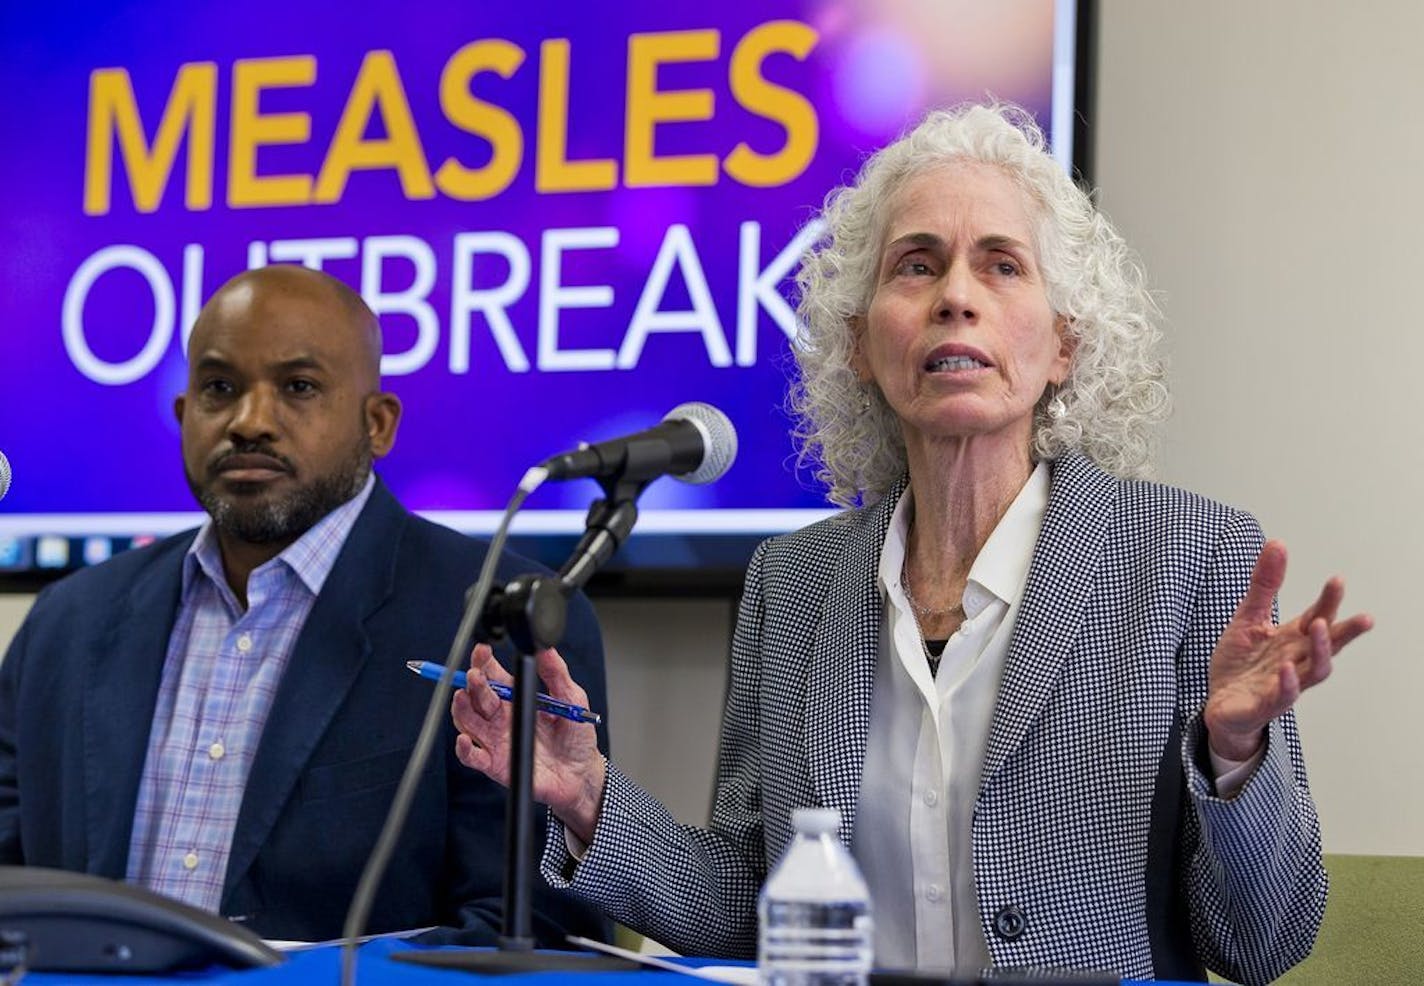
{"x":1373,"y":933}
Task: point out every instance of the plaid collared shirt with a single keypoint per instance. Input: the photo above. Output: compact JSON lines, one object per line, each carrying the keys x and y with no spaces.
{"x":219,"y":679}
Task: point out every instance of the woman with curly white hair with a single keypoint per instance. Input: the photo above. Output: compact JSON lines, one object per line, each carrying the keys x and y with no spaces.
{"x":1049,"y":697}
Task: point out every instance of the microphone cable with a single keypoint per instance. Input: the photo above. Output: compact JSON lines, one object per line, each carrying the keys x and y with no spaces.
{"x":365,"y":896}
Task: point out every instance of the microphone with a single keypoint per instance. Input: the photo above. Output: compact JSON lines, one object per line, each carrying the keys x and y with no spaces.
{"x":694,"y":443}
{"x":4,"y":475}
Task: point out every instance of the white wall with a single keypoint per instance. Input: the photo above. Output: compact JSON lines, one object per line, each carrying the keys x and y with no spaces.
{"x":1266,"y":159}
{"x":12,"y":611}
{"x":667,"y":675}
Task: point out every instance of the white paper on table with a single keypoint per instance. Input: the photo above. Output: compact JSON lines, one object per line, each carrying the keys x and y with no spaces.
{"x":301,"y":946}
{"x":733,"y":975}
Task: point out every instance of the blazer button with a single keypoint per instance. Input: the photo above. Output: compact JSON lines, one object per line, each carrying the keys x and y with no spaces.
{"x":1009,"y":923}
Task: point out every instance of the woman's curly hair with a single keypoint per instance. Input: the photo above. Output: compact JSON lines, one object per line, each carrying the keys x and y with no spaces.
{"x":1115,"y":394}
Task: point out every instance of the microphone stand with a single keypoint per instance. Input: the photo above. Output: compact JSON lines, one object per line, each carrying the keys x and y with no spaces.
{"x":531,"y":610}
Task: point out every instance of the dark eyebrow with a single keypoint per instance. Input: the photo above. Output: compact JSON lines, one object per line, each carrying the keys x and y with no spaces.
{"x":286,"y":366}
{"x":212,"y":363}
{"x":300,"y":363}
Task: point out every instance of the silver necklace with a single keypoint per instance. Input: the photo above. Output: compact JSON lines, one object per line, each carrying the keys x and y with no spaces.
{"x":917,"y":611}
{"x":921,"y":610}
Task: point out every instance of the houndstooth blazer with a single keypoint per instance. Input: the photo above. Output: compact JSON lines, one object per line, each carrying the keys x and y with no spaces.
{"x":1098,"y":841}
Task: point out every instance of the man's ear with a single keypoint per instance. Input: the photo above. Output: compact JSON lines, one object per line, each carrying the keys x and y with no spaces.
{"x":383,"y":411}
{"x":179,"y":403}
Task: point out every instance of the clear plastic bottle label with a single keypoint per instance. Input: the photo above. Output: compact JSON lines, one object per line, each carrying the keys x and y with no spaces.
{"x":816,"y":926}
{"x":815,"y":943}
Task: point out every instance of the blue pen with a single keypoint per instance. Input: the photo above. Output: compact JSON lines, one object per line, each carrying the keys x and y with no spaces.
{"x":547,"y":703}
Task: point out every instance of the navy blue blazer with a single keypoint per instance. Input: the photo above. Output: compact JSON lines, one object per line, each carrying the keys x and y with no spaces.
{"x":77,"y":694}
{"x":1098,"y":840}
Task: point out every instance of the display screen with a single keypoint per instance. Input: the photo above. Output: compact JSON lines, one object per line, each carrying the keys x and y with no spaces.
{"x":570,"y":218}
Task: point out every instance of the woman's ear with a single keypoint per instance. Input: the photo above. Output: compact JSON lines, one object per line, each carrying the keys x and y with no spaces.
{"x":858,"y":362}
{"x":1067,"y":346}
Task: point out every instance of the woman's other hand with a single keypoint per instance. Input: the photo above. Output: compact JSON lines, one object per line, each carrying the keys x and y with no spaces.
{"x":1258,"y":669}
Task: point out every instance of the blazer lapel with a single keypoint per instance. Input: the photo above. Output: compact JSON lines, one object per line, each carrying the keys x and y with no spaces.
{"x":1060,"y":579}
{"x":119,"y":696}
{"x":329,"y":655}
{"x":841,"y":675}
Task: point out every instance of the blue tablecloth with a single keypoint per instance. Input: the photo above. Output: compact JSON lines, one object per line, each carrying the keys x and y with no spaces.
{"x":374,"y":968}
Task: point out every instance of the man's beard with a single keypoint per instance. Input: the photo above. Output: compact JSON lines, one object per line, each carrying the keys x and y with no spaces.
{"x":290,"y":516}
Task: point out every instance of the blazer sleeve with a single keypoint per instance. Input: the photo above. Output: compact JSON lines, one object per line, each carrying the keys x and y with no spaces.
{"x":1255,"y":877}
{"x":693,"y":889}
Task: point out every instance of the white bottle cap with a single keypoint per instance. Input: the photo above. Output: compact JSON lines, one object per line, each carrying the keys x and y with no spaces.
{"x":816,"y":821}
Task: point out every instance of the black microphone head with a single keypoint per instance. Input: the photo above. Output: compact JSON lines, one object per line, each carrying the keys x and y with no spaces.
{"x":4,"y":475}
{"x":719,"y":440}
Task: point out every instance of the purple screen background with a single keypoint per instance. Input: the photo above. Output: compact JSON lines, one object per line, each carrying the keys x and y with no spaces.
{"x":79,"y":447}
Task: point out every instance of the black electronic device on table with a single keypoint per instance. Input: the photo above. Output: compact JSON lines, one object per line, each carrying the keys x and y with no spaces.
{"x":58,"y":921}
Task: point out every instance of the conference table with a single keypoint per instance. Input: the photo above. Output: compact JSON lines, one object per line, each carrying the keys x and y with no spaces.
{"x":376,"y":967}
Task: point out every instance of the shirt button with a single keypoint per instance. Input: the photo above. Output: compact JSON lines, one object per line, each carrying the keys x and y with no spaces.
{"x":190,"y":861}
{"x":933,"y":893}
{"x":244,"y":643}
{"x":217,"y":750}
{"x":931,"y":797}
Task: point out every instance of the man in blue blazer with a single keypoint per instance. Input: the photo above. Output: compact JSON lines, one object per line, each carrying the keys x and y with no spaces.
{"x":224,"y":716}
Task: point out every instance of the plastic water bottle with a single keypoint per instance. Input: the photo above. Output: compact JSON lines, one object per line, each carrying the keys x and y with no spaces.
{"x":815,"y":910}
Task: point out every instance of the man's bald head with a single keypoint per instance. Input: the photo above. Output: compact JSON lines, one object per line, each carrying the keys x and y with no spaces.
{"x":283,"y":413}
{"x":350,"y":318}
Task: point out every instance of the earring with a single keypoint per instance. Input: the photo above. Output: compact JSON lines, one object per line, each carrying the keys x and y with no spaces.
{"x":1056,"y":408}
{"x":865,"y":404}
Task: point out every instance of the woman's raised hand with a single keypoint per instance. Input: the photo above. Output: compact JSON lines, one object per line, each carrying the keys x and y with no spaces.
{"x":1258,"y":669}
